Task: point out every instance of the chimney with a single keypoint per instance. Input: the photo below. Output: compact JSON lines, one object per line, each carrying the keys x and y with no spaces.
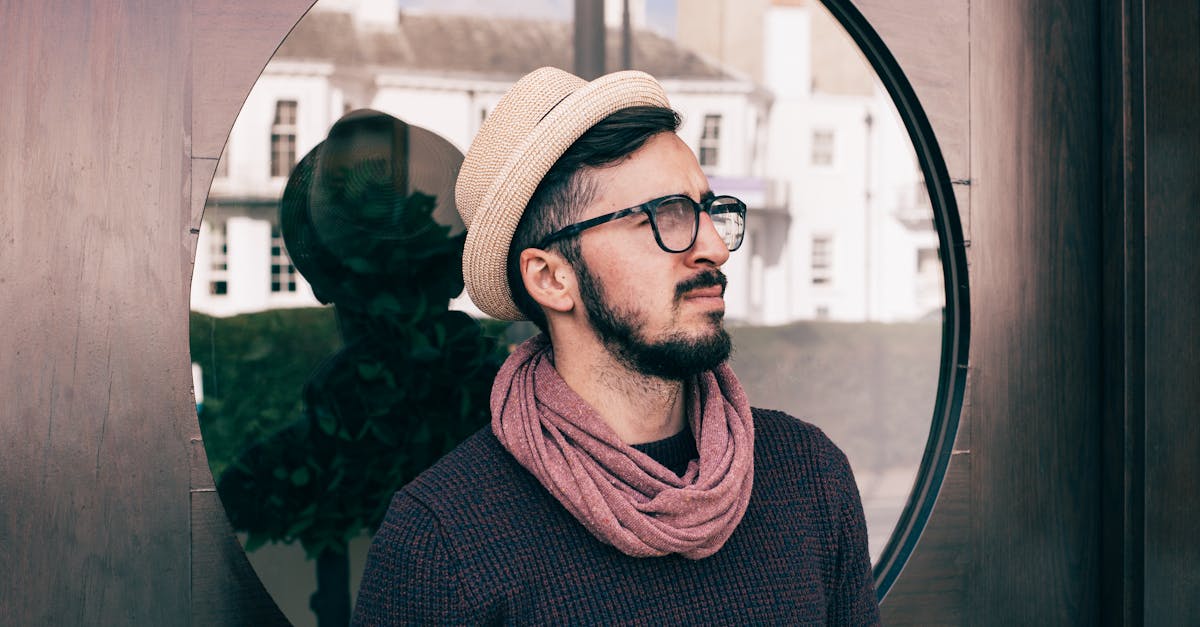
{"x":367,"y":14}
{"x":613,"y":10}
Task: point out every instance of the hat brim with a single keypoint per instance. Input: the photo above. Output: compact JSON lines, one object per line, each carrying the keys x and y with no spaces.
{"x":495,"y":219}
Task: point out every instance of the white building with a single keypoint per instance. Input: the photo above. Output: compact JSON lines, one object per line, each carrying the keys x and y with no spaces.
{"x":840,"y":226}
{"x":443,"y":73}
{"x":861,"y":243}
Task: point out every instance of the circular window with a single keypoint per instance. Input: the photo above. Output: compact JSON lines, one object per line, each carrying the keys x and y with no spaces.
{"x":847,"y":301}
{"x":954,"y":326}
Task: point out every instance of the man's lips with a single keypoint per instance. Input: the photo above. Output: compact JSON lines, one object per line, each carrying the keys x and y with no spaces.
{"x":714,"y":291}
{"x":706,"y":289}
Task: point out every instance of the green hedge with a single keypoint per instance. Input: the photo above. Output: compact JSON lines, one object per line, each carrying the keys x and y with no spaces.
{"x":254,"y":367}
{"x":309,"y":436}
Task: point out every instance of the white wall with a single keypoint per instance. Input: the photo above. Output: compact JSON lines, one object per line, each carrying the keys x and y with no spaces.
{"x":248,"y":150}
{"x":249,"y":271}
{"x":451,"y":108}
{"x":853,"y":200}
{"x":736,"y":104}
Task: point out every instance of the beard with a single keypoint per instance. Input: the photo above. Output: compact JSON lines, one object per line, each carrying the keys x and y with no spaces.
{"x":675,"y":357}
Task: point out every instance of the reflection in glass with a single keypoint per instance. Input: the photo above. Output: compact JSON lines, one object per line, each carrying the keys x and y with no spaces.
{"x":834,"y":298}
{"x":332,"y":410}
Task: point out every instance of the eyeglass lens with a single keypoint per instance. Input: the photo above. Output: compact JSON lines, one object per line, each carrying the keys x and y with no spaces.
{"x":677,"y":220}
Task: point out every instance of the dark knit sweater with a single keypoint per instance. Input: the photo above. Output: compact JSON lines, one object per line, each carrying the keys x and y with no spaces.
{"x":476,"y":539}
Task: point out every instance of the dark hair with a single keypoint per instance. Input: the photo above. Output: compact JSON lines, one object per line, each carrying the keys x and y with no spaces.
{"x":565,"y":190}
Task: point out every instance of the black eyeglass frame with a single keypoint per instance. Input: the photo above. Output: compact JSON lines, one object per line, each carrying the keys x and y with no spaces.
{"x":650,"y":208}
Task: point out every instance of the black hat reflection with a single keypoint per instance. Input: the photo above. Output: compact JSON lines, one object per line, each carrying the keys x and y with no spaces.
{"x":369,"y":214}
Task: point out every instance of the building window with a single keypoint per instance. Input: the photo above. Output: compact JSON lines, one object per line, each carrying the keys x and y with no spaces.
{"x":218,"y":267}
{"x":283,"y":138}
{"x":928,"y":261}
{"x":822,"y":147}
{"x":710,"y":140}
{"x":822,"y":260}
{"x":283,"y":273}
{"x":822,"y":312}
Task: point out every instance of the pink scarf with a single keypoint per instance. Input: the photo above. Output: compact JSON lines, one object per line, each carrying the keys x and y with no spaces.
{"x":621,"y":495}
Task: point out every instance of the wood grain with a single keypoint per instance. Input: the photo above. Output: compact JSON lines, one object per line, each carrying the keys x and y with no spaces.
{"x":226,"y":591}
{"x":1035,"y":287}
{"x":1122,"y":430}
{"x":233,"y":43}
{"x":932,"y":590}
{"x":1172,"y":313}
{"x":94,"y":471}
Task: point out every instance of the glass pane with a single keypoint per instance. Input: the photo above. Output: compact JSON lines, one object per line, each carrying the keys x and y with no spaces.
{"x":838,"y":290}
{"x":834,"y":298}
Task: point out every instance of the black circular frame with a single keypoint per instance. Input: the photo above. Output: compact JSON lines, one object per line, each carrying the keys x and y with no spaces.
{"x":956,"y":315}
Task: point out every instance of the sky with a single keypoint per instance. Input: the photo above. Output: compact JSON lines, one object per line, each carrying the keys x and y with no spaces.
{"x":660,"y":14}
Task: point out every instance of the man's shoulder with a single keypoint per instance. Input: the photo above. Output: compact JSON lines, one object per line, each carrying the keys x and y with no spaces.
{"x":473,"y":471}
{"x":772,"y":425}
{"x":780,"y":438}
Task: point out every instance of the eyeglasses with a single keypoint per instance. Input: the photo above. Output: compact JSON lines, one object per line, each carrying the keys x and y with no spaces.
{"x":675,"y":220}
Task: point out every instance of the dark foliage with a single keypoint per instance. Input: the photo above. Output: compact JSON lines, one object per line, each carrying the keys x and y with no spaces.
{"x":375,"y":415}
{"x":313,"y":418}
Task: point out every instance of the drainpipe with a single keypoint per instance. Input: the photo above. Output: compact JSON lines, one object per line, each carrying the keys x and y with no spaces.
{"x":626,"y":37}
{"x":869,"y":122}
{"x":589,"y":38}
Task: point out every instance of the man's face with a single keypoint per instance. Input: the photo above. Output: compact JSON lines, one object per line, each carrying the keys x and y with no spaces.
{"x":659,"y":313}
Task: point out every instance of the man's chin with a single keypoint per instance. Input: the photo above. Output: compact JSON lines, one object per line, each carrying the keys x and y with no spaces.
{"x":679,"y":357}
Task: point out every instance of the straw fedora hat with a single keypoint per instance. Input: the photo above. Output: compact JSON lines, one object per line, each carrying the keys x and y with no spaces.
{"x":531,"y":127}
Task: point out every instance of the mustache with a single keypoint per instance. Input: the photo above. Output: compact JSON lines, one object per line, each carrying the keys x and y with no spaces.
{"x":704,"y":279}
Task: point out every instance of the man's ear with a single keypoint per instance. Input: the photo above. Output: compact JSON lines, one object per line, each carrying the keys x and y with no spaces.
{"x":548,"y":279}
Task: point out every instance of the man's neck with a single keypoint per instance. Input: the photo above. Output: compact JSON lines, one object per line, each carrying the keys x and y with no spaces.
{"x":639,"y":408}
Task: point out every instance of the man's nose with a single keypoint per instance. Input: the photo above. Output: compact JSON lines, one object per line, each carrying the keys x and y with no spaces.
{"x":709,"y":248}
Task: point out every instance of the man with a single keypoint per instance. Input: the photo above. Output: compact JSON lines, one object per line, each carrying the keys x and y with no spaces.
{"x":625,"y":478}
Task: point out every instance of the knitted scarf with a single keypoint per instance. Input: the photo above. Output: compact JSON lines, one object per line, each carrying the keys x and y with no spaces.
{"x":621,"y":495}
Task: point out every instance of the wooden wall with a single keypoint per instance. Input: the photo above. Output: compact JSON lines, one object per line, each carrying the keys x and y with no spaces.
{"x":1072,"y":131}
{"x":112,"y":116}
{"x":1169,"y":357}
{"x":94,"y":513}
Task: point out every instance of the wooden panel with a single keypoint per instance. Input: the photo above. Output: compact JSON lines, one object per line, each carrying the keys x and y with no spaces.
{"x":94,"y":371}
{"x":233,"y":42}
{"x":1172,"y":316}
{"x":931,"y":589}
{"x":1035,"y":287}
{"x":1123,"y":427}
{"x":199,"y":181}
{"x":233,"y":595}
